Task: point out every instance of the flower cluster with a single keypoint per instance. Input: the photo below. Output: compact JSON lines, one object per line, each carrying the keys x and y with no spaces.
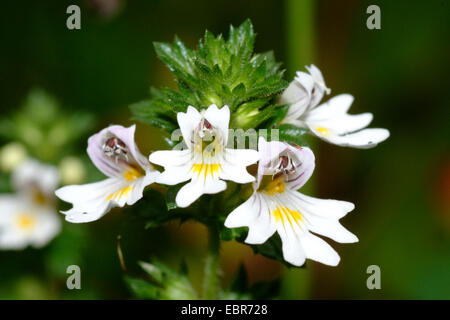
{"x":223,"y":87}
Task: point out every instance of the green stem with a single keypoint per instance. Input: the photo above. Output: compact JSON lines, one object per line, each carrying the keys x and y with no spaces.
{"x":301,"y":32}
{"x":211,"y":276}
{"x":301,"y":45}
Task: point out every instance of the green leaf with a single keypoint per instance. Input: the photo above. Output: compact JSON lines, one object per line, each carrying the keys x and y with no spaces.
{"x":143,"y":289}
{"x":171,"y":194}
{"x":240,"y":281}
{"x":291,"y":133}
{"x":219,"y":72}
{"x":276,"y":116}
{"x":163,"y":283}
{"x":266,"y":290}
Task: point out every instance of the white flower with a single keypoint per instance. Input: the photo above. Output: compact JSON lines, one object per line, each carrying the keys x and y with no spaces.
{"x":29,"y":217}
{"x":276,"y":206}
{"x":36,"y":180}
{"x":328,"y":121}
{"x":206,"y":162}
{"x":24,"y":223}
{"x":114,"y":152}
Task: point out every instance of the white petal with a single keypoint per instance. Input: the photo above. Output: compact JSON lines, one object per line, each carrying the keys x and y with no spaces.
{"x":11,"y":240}
{"x":298,"y":95}
{"x":169,"y":158}
{"x":32,"y":173}
{"x":243,"y":215}
{"x":291,"y":246}
{"x":188,"y":194}
{"x":45,"y":225}
{"x":262,"y":227}
{"x":127,"y":136}
{"x":214,"y":186}
{"x":235,"y":163}
{"x":343,"y":124}
{"x":331,"y":229}
{"x":109,"y":165}
{"x":334,"y":107}
{"x":333,"y":209}
{"x":268,"y":151}
{"x":296,"y":110}
{"x":319,"y":85}
{"x":139,"y":185}
{"x":49,"y":225}
{"x":175,"y":175}
{"x":219,"y":118}
{"x":304,"y":171}
{"x":364,"y":139}
{"x":318,"y":250}
{"x":253,"y":213}
{"x":299,"y":89}
{"x":188,"y":122}
{"x":92,"y":201}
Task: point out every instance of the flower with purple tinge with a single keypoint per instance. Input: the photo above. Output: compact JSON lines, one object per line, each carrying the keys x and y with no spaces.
{"x":330,"y":120}
{"x":276,"y":206}
{"x":115,"y":153}
{"x":206,"y":162}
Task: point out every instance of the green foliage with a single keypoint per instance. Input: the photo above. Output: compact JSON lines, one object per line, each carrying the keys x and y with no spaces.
{"x":43,"y":128}
{"x":221,"y":72}
{"x":161,"y":282}
{"x":240,"y":290}
{"x":290,"y":133}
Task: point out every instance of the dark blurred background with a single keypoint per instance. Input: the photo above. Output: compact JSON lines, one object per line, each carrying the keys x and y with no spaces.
{"x":401,"y":188}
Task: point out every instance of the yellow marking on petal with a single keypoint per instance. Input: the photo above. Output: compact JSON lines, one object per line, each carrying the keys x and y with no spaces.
{"x":323,"y":131}
{"x":291,"y":215}
{"x":132,"y":174}
{"x":25,"y":221}
{"x":205,"y":169}
{"x":120,"y":193}
{"x":274,"y":186}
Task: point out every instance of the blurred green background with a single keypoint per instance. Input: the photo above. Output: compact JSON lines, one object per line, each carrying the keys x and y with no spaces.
{"x":401,"y":188}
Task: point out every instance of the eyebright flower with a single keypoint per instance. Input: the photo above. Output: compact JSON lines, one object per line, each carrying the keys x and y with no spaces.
{"x":36,"y":180}
{"x":29,"y":217}
{"x":328,"y":121}
{"x":114,"y":152}
{"x":23,"y":223}
{"x":206,"y":162}
{"x":276,"y":206}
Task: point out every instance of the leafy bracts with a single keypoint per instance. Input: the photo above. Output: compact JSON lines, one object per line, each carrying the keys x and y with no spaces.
{"x":221,"y":72}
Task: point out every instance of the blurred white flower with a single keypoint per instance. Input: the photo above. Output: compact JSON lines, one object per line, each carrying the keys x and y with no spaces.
{"x":276,"y":206}
{"x":114,"y":152}
{"x":29,"y":217}
{"x":11,"y":155}
{"x":36,"y":180}
{"x":24,"y":223}
{"x":330,"y":120}
{"x":206,"y":162}
{"x":72,"y":171}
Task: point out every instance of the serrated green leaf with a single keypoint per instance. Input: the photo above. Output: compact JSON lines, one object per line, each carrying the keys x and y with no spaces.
{"x":143,"y":289}
{"x":152,"y":270}
{"x":219,"y":72}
